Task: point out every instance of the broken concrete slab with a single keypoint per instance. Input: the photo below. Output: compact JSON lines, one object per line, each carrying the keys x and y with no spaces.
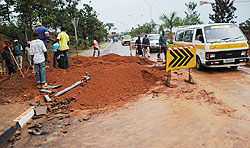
{"x":41,"y":110}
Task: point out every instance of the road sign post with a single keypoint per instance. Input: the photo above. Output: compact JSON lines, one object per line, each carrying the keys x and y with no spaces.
{"x":75,"y":23}
{"x":180,"y":58}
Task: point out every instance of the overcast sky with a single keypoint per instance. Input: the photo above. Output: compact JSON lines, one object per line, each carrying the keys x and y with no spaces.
{"x":125,"y":14}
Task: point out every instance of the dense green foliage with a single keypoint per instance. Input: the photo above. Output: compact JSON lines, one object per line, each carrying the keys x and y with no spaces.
{"x":223,"y":11}
{"x":170,"y":22}
{"x":245,"y":26}
{"x":192,"y":16}
{"x":22,"y":15}
{"x":145,"y":28}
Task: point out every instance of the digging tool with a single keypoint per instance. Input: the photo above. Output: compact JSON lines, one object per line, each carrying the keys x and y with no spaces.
{"x":15,"y":62}
{"x":85,"y":79}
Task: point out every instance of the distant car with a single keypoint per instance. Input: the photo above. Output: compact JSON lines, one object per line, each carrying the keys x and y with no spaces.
{"x":126,"y":40}
{"x":115,"y":39}
{"x":132,"y":43}
{"x":154,"y":42}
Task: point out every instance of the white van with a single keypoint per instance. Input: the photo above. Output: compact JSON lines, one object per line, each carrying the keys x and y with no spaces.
{"x":217,"y":45}
{"x":154,"y":42}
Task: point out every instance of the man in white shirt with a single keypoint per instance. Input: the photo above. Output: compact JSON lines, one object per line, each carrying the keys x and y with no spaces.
{"x":38,"y":56}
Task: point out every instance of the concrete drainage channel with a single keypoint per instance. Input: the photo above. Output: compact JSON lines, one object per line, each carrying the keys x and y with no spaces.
{"x":18,"y":123}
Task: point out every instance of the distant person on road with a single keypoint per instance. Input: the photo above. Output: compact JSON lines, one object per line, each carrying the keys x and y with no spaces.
{"x":138,"y":46}
{"x":9,"y":61}
{"x":38,"y":54}
{"x":63,"y":39}
{"x":17,"y":51}
{"x":146,"y":45}
{"x":43,"y":32}
{"x":163,"y":44}
{"x":96,"y":48}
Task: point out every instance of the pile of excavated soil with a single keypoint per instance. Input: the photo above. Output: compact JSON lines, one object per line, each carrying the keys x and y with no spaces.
{"x":116,"y":80}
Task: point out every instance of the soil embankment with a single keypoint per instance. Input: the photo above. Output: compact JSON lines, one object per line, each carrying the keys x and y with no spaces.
{"x":115,"y":80}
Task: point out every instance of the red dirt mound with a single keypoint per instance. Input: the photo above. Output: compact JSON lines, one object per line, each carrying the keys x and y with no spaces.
{"x":115,"y":79}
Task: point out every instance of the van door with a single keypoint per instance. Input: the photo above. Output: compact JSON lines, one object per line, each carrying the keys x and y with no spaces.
{"x":199,"y":42}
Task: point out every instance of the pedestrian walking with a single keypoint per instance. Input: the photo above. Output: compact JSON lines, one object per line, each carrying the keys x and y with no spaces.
{"x":17,"y":51}
{"x":163,"y":44}
{"x":146,"y":45}
{"x":38,"y":54}
{"x":63,"y":40}
{"x":9,"y":61}
{"x":138,"y":46}
{"x":96,"y":48}
{"x":43,"y":32}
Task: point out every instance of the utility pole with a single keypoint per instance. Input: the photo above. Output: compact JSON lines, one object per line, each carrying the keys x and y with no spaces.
{"x":150,"y":9}
{"x":75,"y":23}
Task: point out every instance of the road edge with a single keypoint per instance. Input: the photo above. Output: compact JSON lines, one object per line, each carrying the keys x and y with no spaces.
{"x":17,"y":124}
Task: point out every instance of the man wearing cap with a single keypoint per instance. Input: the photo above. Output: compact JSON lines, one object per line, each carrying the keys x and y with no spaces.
{"x":17,"y":51}
{"x":63,"y":40}
{"x":43,"y":32}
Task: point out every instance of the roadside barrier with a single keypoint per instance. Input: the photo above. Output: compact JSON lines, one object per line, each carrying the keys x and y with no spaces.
{"x":180,"y":58}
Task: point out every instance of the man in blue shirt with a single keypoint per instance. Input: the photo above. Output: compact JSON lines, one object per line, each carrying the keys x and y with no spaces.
{"x":43,"y":32}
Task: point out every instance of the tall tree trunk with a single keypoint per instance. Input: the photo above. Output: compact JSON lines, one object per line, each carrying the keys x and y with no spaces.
{"x":171,"y":36}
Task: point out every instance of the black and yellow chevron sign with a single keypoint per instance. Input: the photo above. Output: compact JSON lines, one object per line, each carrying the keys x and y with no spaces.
{"x":181,"y":57}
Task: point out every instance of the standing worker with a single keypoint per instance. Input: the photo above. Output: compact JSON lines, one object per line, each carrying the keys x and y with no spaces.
{"x":96,"y":47}
{"x":6,"y":43}
{"x":138,"y":45}
{"x":17,"y":51}
{"x":9,"y":61}
{"x":43,"y":32}
{"x":163,"y":44}
{"x":39,"y":56}
{"x":146,"y":45}
{"x":63,"y":40}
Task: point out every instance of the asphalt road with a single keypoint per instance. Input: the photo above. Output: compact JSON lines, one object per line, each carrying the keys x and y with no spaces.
{"x":117,"y":48}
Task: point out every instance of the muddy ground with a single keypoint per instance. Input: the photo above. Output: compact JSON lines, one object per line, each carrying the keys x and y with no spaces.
{"x":129,"y":106}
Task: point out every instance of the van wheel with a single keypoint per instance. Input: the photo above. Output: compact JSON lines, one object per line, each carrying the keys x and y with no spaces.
{"x":199,"y":66}
{"x":234,"y":67}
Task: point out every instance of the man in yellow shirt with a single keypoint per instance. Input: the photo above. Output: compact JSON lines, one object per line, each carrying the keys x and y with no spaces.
{"x":63,"y":40}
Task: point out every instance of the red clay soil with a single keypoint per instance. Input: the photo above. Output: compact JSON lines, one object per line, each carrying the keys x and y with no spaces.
{"x":115,"y":81}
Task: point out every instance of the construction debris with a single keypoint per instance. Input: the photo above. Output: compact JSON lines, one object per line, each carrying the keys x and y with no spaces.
{"x":46,"y":91}
{"x":85,"y":79}
{"x":41,"y":110}
{"x":47,"y":98}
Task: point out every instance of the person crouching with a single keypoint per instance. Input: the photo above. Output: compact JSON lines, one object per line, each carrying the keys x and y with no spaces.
{"x":38,"y":56}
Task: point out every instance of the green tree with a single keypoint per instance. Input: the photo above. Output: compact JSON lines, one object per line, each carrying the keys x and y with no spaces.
{"x":192,"y":16}
{"x":245,"y":26}
{"x":145,"y":28}
{"x":91,"y":26}
{"x":223,"y":11}
{"x":109,"y":26}
{"x":170,"y":22}
{"x":6,"y":11}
